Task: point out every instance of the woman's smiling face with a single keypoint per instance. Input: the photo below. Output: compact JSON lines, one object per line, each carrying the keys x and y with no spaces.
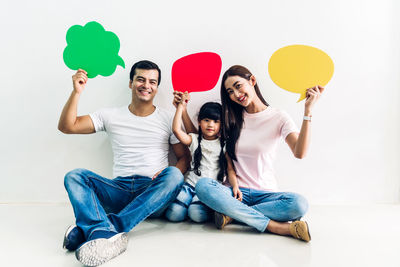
{"x":240,"y":90}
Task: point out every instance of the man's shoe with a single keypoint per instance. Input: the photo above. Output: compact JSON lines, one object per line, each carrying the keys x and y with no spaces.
{"x":299,"y":230}
{"x":101,"y":250}
{"x":73,"y":238}
{"x":221,"y":220}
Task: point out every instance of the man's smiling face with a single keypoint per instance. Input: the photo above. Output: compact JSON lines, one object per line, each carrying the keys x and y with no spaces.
{"x":144,"y":84}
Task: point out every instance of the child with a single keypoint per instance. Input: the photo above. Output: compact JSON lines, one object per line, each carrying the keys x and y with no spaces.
{"x":208,"y":158}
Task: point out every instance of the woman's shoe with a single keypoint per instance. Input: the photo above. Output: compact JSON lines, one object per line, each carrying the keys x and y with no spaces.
{"x":221,"y":220}
{"x":299,"y":230}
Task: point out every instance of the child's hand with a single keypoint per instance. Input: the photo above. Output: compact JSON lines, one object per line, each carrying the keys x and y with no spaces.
{"x":180,"y":98}
{"x":177,"y":98}
{"x":237,"y":193}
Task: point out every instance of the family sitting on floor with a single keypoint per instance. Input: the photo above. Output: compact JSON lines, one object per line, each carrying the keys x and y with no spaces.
{"x":229,"y":158}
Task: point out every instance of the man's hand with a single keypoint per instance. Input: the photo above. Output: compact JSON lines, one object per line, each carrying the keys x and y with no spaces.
{"x":79,"y":80}
{"x":155,"y":175}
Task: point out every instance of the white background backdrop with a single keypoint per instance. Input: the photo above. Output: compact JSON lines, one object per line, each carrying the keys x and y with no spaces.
{"x":354,"y":155}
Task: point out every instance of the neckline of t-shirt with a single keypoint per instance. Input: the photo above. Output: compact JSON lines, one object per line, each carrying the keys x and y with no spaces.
{"x":257,"y":114}
{"x":210,"y":141}
{"x":143,"y":117}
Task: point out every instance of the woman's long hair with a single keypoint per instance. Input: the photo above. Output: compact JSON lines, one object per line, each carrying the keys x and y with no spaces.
{"x":213,"y":111}
{"x":232,"y":113}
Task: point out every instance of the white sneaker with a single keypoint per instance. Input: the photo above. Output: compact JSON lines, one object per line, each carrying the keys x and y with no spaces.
{"x":101,"y":250}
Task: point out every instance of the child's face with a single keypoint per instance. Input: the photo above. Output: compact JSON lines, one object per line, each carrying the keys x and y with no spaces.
{"x":210,"y":128}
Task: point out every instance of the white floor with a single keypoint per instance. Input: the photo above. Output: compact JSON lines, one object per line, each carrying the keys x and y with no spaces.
{"x":31,"y":235}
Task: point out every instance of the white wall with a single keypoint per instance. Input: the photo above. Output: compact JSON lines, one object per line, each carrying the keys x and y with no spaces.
{"x":354,"y":154}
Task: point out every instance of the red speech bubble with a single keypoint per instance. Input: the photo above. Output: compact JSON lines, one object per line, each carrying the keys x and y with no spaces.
{"x":196,"y":72}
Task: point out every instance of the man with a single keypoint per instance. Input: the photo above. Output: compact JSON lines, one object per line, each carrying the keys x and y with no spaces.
{"x":140,"y":134}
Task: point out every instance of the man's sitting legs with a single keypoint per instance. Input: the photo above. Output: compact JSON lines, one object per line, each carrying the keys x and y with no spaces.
{"x":159,"y":193}
{"x":129,"y":200}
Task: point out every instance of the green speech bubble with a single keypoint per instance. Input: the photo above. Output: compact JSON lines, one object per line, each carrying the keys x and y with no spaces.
{"x":93,"y":49}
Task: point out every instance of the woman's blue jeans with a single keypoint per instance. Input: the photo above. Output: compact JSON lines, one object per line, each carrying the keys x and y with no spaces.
{"x":187,"y":204}
{"x":119,"y":204}
{"x":257,"y":208}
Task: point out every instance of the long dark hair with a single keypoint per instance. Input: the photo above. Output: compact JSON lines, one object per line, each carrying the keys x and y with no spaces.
{"x":232,"y":118}
{"x":213,"y":111}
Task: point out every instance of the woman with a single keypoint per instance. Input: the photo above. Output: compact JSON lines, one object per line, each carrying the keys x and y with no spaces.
{"x":253,"y":129}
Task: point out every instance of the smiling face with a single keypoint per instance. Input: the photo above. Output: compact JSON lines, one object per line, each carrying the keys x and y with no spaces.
{"x":144,"y":85}
{"x":210,"y":128}
{"x":240,"y":90}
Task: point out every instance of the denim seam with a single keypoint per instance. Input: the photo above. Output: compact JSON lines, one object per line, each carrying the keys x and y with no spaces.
{"x":95,"y":204}
{"x":140,"y":188}
{"x":100,"y":229}
{"x":180,"y":203}
{"x":112,"y":185}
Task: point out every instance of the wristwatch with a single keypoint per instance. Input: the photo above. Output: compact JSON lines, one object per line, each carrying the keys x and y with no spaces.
{"x":307,"y":118}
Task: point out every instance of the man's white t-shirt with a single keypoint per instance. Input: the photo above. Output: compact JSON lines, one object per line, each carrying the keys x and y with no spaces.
{"x":209,"y":163}
{"x":140,"y":144}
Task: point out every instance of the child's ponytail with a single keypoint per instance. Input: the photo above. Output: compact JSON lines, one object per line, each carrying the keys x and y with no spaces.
{"x":197,"y":155}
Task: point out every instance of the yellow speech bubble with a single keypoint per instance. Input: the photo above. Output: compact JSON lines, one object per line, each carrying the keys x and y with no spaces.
{"x":295,"y":68}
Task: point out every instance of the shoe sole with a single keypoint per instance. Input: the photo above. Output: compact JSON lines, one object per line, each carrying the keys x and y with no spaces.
{"x":308,"y":232}
{"x":101,"y":250}
{"x":66,"y":241}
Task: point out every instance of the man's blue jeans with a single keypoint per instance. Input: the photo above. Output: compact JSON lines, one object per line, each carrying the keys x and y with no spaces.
{"x":119,"y":204}
{"x":257,"y":208}
{"x":187,"y":204}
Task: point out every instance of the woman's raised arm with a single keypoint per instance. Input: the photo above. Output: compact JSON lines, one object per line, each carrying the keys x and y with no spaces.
{"x":299,"y":142}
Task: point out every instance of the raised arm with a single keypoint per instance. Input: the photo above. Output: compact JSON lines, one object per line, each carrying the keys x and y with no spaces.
{"x":177,"y":127}
{"x":299,"y":142}
{"x":184,"y":98}
{"x":69,"y":122}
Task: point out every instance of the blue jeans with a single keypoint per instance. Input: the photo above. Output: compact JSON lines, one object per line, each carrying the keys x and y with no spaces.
{"x":257,"y":208}
{"x":187,"y":204}
{"x":119,"y":204}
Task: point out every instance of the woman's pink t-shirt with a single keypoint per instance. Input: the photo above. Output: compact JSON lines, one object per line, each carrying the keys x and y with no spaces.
{"x":256,"y":147}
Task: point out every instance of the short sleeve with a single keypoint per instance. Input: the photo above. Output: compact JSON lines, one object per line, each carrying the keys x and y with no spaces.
{"x":288,"y":125}
{"x":195,"y":142}
{"x":98,"y":120}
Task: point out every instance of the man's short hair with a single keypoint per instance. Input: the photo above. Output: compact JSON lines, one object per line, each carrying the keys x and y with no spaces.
{"x":145,"y":65}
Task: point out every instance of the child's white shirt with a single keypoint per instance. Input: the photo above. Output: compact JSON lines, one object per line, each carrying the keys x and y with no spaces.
{"x":209,"y":163}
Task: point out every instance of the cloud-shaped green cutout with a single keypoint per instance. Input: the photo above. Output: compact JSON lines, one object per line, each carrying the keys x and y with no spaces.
{"x":93,"y":49}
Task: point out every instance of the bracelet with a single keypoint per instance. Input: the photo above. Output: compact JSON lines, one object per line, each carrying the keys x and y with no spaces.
{"x":307,"y":118}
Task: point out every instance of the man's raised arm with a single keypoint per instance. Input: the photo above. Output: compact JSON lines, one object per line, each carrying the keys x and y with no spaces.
{"x":69,"y":122}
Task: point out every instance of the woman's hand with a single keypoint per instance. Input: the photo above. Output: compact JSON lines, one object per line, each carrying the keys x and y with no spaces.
{"x":237,"y":193}
{"x":312,"y":96}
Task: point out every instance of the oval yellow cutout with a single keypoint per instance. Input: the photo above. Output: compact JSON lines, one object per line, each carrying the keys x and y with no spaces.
{"x":296,"y":68}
